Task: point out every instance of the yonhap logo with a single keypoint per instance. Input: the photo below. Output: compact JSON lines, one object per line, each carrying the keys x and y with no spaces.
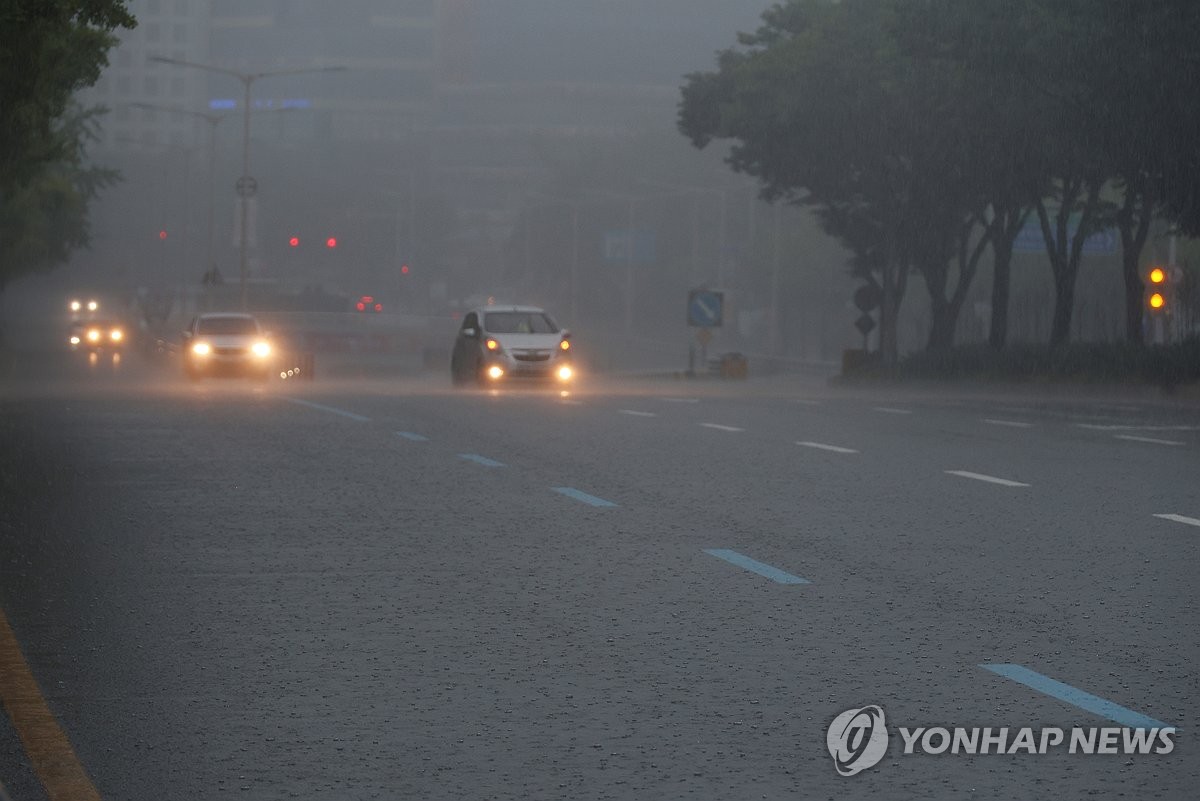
{"x":857,"y":739}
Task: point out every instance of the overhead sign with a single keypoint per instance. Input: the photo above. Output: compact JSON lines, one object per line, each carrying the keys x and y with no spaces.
{"x":625,"y":246}
{"x":705,"y":308}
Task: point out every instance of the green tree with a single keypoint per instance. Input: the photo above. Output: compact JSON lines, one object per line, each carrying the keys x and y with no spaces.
{"x":49,"y":49}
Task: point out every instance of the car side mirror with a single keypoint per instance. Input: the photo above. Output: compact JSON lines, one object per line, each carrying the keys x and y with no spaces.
{"x":470,"y":333}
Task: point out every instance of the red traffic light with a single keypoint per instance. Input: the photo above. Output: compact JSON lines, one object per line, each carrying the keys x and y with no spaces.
{"x":331,"y":242}
{"x":294,"y":241}
{"x":404,"y":269}
{"x":162,"y":234}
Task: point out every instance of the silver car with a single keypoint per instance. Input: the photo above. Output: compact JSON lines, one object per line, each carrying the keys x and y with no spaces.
{"x":496,"y":344}
{"x":226,"y":344}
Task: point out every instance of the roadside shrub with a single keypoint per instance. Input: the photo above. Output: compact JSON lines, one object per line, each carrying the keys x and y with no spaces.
{"x":1168,"y":365}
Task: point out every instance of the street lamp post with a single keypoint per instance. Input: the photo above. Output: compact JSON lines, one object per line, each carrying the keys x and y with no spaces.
{"x":245,"y":182}
{"x":213,"y":121}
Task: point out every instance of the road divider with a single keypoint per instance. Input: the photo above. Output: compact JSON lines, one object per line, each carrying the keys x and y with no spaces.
{"x":578,"y":495}
{"x":755,"y":566}
{"x":1004,"y":482}
{"x":1076,"y":697}
{"x":332,"y":410}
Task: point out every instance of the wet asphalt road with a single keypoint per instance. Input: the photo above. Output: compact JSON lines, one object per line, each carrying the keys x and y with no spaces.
{"x":396,"y":591}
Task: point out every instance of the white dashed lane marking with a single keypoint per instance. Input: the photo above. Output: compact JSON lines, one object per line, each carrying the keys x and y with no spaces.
{"x":636,"y":413}
{"x":720,"y":427}
{"x":1190,"y":521}
{"x":1004,"y":482}
{"x":823,"y":447}
{"x":1009,"y":423}
{"x":1151,"y":440}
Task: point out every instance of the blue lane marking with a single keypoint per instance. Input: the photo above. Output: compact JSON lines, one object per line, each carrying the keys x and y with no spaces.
{"x":330,"y":409}
{"x":754,"y":566}
{"x":1077,"y":697}
{"x":483,"y":460}
{"x":571,"y":492}
{"x":412,"y":436}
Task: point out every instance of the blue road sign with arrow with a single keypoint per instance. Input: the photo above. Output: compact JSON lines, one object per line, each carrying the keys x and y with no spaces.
{"x":705,"y":308}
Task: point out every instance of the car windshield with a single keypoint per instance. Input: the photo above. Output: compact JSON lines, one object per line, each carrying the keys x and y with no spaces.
{"x":514,"y":322}
{"x":227,"y":325}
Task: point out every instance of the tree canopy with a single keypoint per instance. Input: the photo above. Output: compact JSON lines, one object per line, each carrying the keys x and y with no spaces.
{"x":924,"y":132}
{"x":49,"y":50}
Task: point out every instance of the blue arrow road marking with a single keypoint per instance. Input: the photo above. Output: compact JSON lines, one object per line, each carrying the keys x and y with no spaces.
{"x":1077,"y":697}
{"x":483,"y":460}
{"x":330,"y":409}
{"x":592,"y":500}
{"x":754,"y":566}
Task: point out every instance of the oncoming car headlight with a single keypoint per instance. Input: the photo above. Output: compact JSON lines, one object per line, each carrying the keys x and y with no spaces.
{"x":495,"y":371}
{"x":565,"y":373}
{"x":93,"y":335}
{"x":261,"y":349}
{"x":201,"y":349}
{"x":116,"y":335}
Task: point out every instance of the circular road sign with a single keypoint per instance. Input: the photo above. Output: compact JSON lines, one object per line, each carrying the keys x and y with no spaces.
{"x":246,"y":186}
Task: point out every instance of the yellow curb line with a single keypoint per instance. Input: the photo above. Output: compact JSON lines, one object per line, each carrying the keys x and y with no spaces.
{"x":49,"y":751}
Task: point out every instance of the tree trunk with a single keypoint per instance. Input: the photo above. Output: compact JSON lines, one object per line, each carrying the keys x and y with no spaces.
{"x":1064,"y":306}
{"x":1006,"y":224}
{"x":945,"y":321}
{"x":1066,"y":251}
{"x":1001,"y":281}
{"x":1134,"y":226}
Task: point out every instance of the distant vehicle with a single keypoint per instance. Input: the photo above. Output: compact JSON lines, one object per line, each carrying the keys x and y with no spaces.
{"x":78,"y":306}
{"x":226,"y":344}
{"x":97,"y":335}
{"x":496,"y":344}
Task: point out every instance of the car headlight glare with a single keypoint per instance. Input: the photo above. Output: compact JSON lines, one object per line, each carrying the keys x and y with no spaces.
{"x":201,"y":349}
{"x":116,"y":335}
{"x":93,"y":305}
{"x":76,"y":305}
{"x":93,"y":335}
{"x":565,"y":373}
{"x":261,"y":349}
{"x":74,"y":340}
{"x":495,"y":371}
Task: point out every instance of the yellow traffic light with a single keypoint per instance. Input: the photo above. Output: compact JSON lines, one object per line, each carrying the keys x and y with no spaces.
{"x":1158,"y":275}
{"x":1157,"y":301}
